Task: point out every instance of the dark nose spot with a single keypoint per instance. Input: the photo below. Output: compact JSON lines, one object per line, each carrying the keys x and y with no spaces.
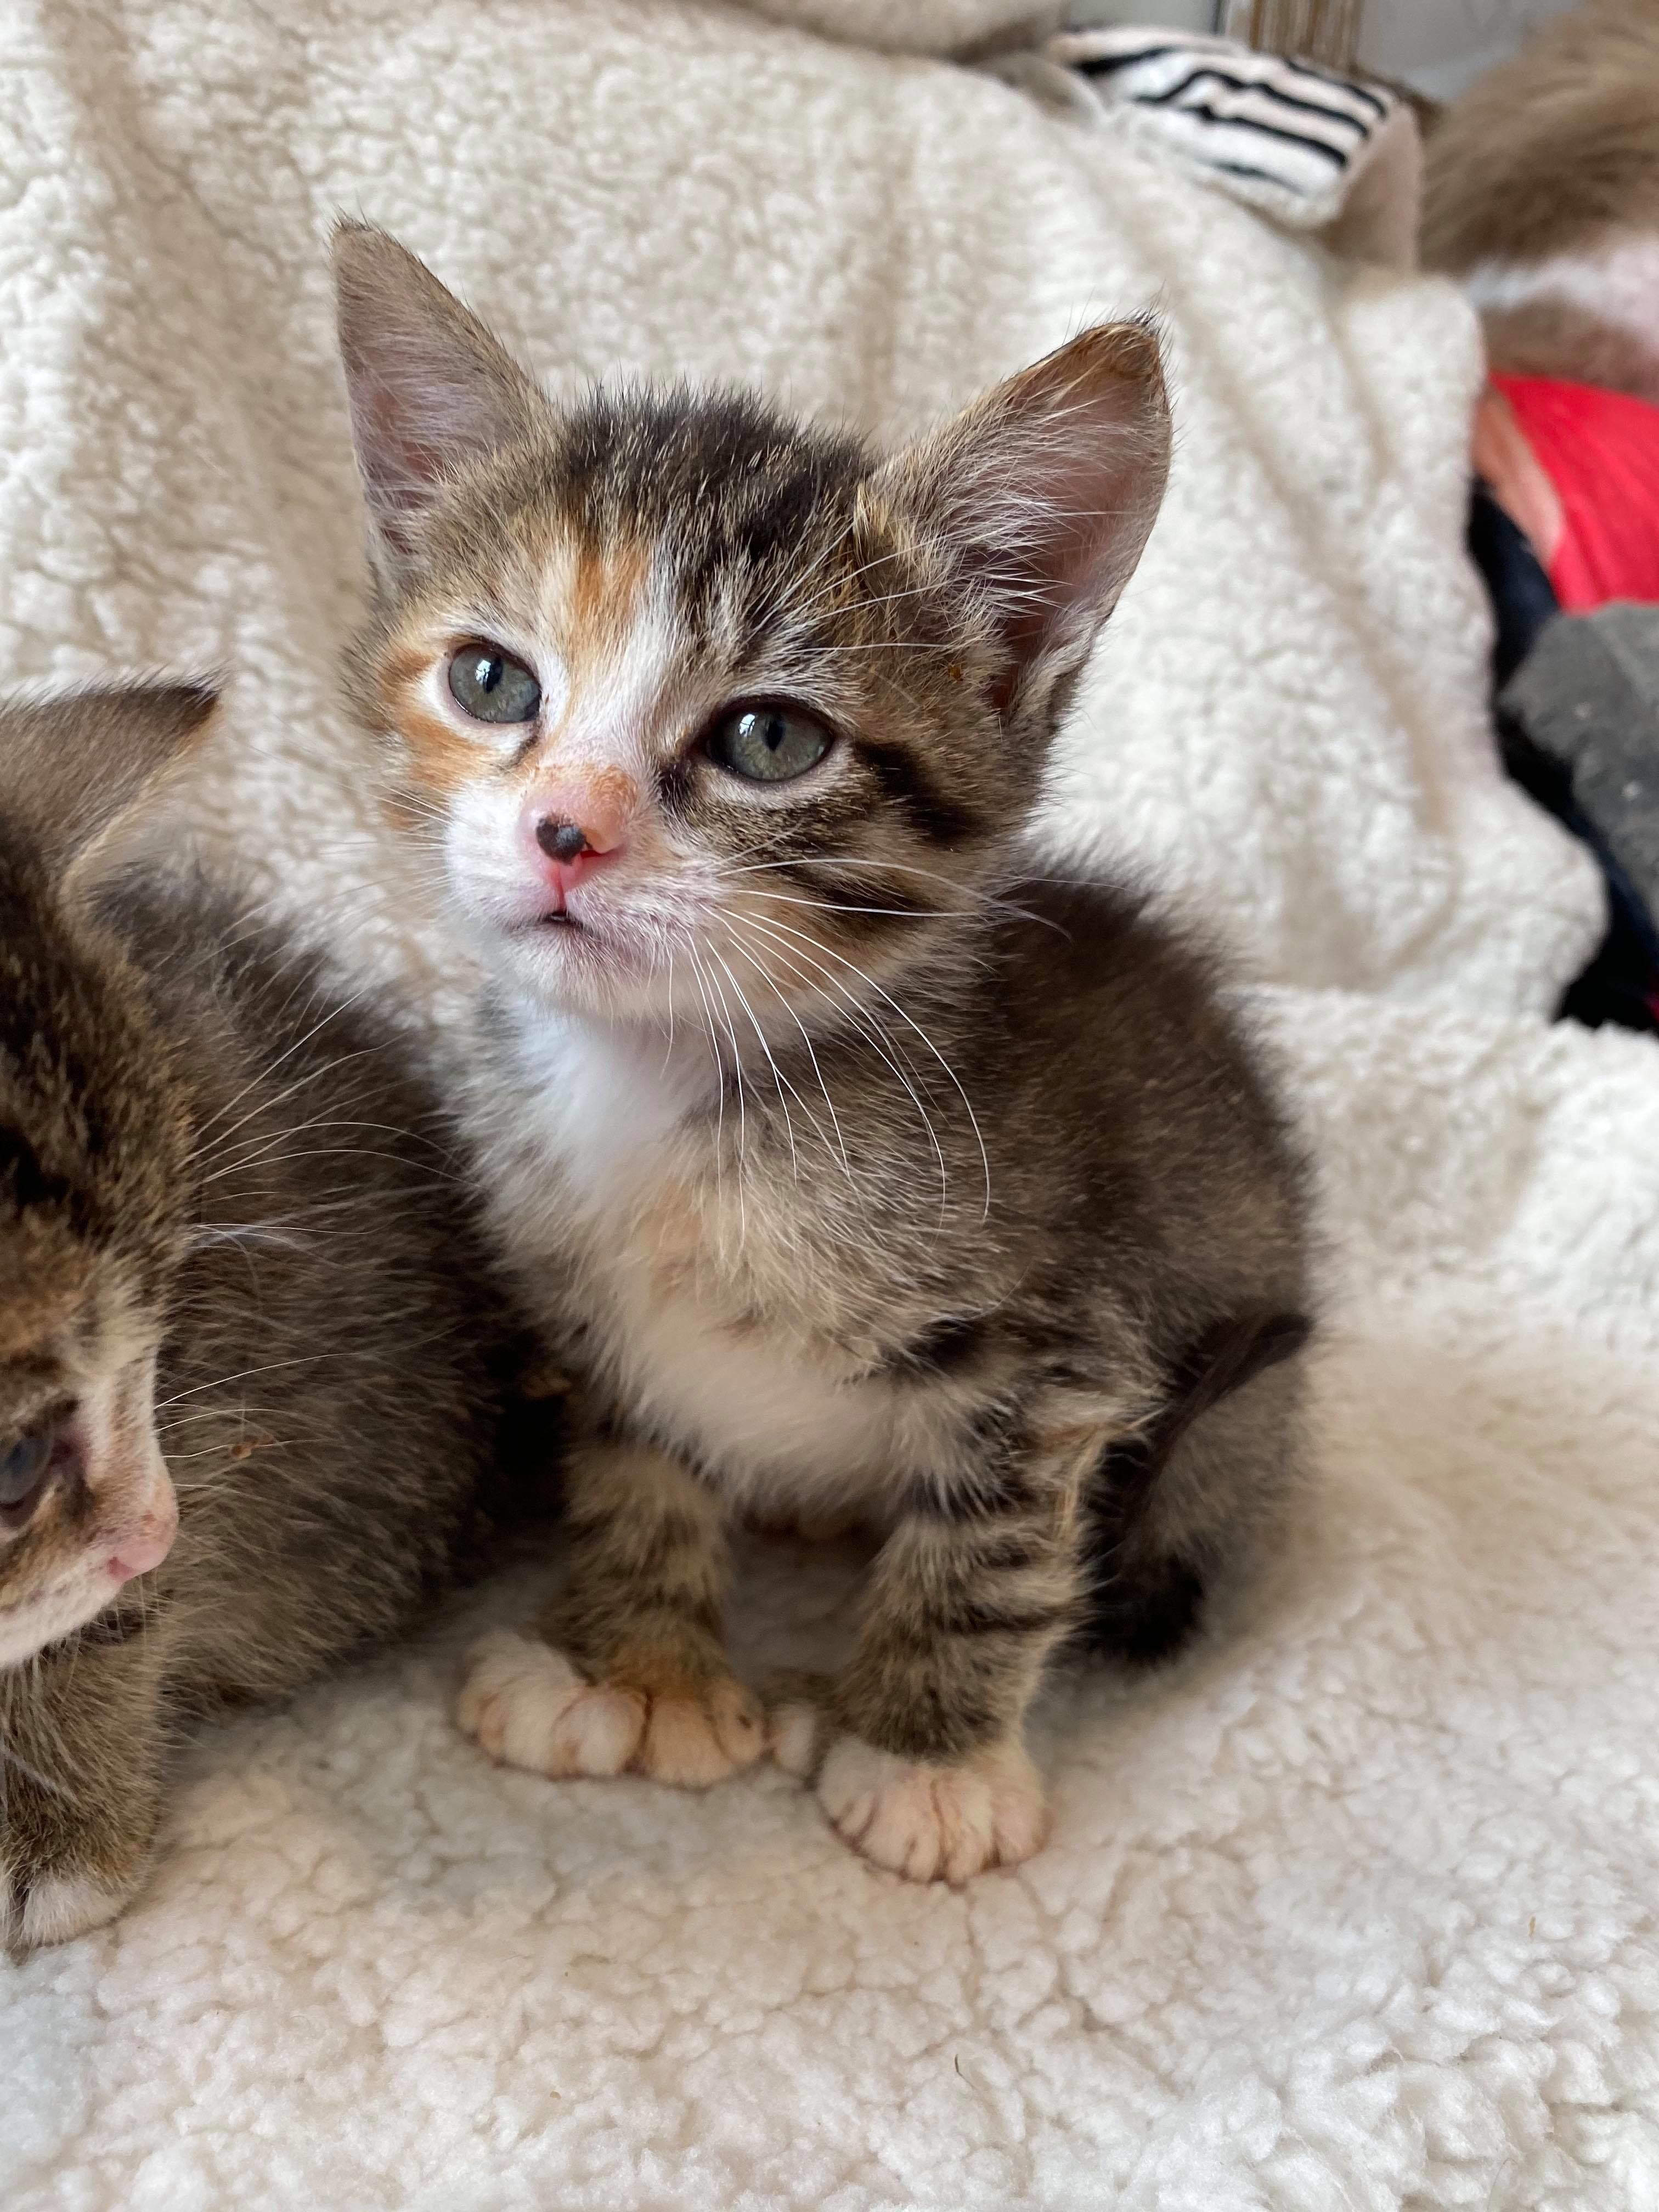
{"x":560,"y":840}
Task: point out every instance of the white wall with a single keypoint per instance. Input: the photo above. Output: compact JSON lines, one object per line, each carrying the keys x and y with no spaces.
{"x":1439,"y":45}
{"x":1181,"y":14}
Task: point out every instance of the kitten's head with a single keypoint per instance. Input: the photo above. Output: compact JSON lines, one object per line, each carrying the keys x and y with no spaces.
{"x":94,"y":1141}
{"x":704,"y":711}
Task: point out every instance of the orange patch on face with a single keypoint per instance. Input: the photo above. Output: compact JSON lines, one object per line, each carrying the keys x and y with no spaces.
{"x":440,"y":761}
{"x":401,"y":669}
{"x":599,"y":790}
{"x":612,"y":787}
{"x":606,"y":585}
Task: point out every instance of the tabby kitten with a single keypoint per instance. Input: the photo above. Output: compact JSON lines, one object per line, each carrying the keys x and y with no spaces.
{"x":853,"y":1171}
{"x":252,"y":1355}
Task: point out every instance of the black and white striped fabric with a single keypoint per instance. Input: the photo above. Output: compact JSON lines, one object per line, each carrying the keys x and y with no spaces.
{"x":1284,"y":132}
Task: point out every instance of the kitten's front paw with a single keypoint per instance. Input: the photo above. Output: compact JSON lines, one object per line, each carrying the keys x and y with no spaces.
{"x":697,"y":1739}
{"x":934,"y":1823}
{"x":528,"y":1706}
{"x":54,"y":1904}
{"x":56,"y":1908}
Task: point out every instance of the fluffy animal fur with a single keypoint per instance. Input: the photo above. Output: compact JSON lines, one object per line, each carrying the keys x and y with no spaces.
{"x":882,"y":1178}
{"x":1541,"y":194}
{"x":252,"y":1359}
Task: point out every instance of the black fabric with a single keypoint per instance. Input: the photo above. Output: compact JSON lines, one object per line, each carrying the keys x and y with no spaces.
{"x":1578,"y":726}
{"x":1523,"y":597}
{"x":1618,"y":985}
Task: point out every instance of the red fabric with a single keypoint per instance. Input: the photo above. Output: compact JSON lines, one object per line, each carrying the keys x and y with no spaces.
{"x":1601,"y":451}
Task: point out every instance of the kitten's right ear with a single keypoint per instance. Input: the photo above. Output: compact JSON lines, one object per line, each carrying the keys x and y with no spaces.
{"x":1048,"y":487}
{"x":71,"y":766}
{"x":430,"y":389}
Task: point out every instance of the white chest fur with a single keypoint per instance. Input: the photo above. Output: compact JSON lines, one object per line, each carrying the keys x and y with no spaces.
{"x":590,"y":1163}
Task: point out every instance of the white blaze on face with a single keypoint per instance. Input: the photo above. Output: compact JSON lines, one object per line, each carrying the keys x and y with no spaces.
{"x":617,"y":701}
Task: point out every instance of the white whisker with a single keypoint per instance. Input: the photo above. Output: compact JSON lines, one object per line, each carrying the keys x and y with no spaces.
{"x":985,"y":1160}
{"x":743,"y":1111}
{"x":867,"y":1027}
{"x":829,"y":1103}
{"x":777,"y":1076}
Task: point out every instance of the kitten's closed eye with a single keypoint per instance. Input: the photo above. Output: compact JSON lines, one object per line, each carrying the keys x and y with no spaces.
{"x":768,"y":742}
{"x":493,"y":686}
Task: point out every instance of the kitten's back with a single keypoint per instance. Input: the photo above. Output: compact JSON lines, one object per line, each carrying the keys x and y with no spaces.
{"x":254,"y":1365}
{"x":1139,"y":1079}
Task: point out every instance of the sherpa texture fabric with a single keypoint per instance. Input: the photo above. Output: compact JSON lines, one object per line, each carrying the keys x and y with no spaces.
{"x":1353,"y":1906}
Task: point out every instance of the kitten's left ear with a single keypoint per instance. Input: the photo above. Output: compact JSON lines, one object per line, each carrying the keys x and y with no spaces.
{"x":72,"y":767}
{"x":1047,"y":489}
{"x":430,"y":389}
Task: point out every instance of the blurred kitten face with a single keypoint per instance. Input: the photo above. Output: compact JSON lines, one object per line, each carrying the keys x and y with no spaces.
{"x":689,"y":750}
{"x":86,"y":1502}
{"x":91,"y":1234}
{"x":94,"y":1189}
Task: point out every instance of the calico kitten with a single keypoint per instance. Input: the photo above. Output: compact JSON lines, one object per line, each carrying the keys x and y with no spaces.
{"x":252,"y":1355}
{"x":881,"y":1177}
{"x":1542,"y":195}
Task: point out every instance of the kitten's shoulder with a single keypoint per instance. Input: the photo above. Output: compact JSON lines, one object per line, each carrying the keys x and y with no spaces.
{"x":1109,"y":943}
{"x":1121,"y":1025}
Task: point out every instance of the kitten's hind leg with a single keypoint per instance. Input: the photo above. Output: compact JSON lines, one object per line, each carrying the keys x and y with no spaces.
{"x":627,"y":1673}
{"x":1195,"y":1502}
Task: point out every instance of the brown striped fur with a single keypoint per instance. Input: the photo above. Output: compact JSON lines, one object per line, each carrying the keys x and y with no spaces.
{"x":243,"y":1297}
{"x":889,"y":1182}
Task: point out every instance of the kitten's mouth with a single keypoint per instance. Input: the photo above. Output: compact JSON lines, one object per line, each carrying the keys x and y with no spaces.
{"x":559,"y":918}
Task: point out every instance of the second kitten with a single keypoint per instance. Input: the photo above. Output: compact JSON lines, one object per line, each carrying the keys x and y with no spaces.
{"x":1541,"y":196}
{"x":254,"y":1363}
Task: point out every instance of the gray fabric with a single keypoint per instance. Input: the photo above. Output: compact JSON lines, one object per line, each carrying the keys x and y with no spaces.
{"x":1588,"y":694}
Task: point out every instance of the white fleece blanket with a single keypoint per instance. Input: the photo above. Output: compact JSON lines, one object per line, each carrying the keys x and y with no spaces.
{"x":1351,"y":1907}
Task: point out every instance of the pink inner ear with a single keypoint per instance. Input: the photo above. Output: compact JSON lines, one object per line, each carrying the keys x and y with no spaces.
{"x":430,"y":389}
{"x":412,"y":430}
{"x":1056,"y":480}
{"x":405,"y":464}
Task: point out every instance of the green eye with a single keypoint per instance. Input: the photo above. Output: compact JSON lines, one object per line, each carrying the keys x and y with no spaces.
{"x":768,"y":744}
{"x":491,"y":686}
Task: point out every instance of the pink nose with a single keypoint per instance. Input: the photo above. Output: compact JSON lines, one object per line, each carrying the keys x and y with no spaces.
{"x":576,"y":827}
{"x":147,"y":1546}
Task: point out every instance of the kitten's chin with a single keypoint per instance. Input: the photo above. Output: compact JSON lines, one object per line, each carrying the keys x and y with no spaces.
{"x":577,"y":967}
{"x":29,"y":1628}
